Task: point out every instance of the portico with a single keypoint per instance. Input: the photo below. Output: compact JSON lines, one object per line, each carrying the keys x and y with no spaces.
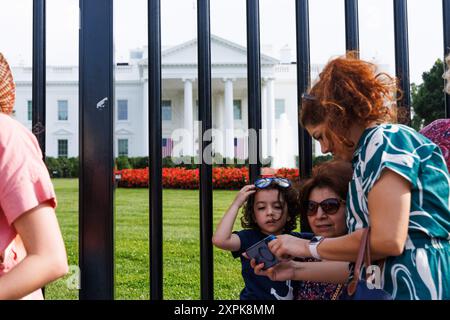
{"x":229,"y":97}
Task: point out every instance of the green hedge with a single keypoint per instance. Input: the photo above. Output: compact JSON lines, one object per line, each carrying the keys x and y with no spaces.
{"x":68,"y":167}
{"x":62,"y":167}
{"x":320,"y":159}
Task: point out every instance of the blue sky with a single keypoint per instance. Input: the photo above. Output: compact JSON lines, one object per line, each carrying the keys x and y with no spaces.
{"x":228,"y":21}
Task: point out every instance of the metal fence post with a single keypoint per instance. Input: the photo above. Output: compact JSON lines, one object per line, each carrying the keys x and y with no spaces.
{"x":303,"y":83}
{"x":351,"y":26}
{"x":402,"y":60}
{"x":96,"y":150}
{"x":39,"y":73}
{"x":254,"y":86}
{"x":446,"y":24}
{"x":205,"y":113}
{"x":155,"y":157}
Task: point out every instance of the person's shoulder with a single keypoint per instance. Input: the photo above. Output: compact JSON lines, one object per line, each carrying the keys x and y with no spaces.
{"x":5,"y":120}
{"x":13,"y":133}
{"x":396,"y":134}
{"x":9,"y":124}
{"x":393,"y":129}
{"x":7,"y":127}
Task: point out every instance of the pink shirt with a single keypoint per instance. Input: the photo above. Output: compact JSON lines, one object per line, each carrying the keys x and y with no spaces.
{"x":24,"y":184}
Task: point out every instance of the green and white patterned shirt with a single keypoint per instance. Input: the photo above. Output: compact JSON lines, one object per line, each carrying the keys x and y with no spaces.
{"x":421,"y":272}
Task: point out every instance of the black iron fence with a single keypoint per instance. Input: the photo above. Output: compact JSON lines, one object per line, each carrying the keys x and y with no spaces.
{"x":96,"y":199}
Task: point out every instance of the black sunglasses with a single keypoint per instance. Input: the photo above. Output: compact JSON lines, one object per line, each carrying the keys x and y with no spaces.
{"x":329,"y":206}
{"x":265,"y":182}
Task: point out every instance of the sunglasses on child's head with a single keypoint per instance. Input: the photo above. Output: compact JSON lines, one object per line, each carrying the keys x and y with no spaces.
{"x":265,"y":182}
{"x":329,"y":206}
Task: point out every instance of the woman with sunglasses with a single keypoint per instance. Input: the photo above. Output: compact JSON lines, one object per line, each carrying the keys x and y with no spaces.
{"x":270,"y":207}
{"x":400,"y":184}
{"x":322,"y":202}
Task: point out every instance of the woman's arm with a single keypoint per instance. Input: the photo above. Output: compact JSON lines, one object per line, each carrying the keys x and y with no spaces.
{"x":223,"y":238}
{"x":46,"y":258}
{"x":323,"y":271}
{"x":389,"y":206}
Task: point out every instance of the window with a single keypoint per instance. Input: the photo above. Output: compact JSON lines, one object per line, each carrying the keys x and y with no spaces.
{"x":166,"y":110}
{"x":122,"y":110}
{"x":63,"y":110}
{"x":123,"y":147}
{"x":237,"y":109}
{"x":279,"y":108}
{"x":30,"y":110}
{"x":62,"y":148}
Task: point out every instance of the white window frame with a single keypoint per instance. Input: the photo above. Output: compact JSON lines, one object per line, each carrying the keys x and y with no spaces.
{"x":162,"y":109}
{"x":59,"y":110}
{"x":127,"y":110}
{"x":118,"y":147}
{"x":67,"y":147}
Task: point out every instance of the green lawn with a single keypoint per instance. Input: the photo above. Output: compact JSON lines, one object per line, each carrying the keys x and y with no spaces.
{"x":181,"y":249}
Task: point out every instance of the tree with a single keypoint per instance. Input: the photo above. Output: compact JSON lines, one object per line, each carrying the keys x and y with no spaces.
{"x":428,"y":97}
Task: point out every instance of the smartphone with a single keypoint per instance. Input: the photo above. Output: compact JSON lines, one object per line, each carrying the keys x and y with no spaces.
{"x":261,"y":253}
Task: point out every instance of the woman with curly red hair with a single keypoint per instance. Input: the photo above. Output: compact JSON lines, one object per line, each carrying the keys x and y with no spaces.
{"x":400,"y":184}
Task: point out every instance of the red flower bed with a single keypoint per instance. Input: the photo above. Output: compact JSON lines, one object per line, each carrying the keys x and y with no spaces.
{"x":181,"y":178}
{"x":291,"y":174}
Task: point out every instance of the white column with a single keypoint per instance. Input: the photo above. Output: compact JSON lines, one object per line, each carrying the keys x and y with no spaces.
{"x":270,"y":100}
{"x":229,"y":119}
{"x":218,"y":143}
{"x":264,"y":120}
{"x":188,"y":143}
{"x":145,"y":105}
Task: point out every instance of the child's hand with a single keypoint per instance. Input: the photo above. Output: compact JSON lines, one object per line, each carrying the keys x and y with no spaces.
{"x":281,"y":272}
{"x":243,"y":195}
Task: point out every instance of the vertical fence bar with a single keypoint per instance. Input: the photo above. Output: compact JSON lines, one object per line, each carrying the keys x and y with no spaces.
{"x":155,"y":147}
{"x":303,"y":83}
{"x":254,"y":88}
{"x":205,"y":113}
{"x":39,"y":76}
{"x":39,"y":70}
{"x":96,"y":150}
{"x":446,"y":24}
{"x":351,"y":26}
{"x":402,"y":60}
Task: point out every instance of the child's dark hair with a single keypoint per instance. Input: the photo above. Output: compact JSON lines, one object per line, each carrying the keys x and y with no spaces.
{"x":285,"y":195}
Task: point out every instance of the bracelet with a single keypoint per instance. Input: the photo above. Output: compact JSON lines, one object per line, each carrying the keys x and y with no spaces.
{"x":313,"y":244}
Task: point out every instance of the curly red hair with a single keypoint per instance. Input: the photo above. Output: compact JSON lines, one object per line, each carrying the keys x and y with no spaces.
{"x":349,"y":91}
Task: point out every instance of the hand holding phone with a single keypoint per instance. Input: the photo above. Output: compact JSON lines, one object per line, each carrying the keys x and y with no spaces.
{"x":261,"y":253}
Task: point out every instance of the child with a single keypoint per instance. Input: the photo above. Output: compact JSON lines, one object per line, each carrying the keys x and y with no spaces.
{"x":271,"y":207}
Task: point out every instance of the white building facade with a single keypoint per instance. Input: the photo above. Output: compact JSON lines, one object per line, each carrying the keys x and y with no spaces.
{"x":179,"y":104}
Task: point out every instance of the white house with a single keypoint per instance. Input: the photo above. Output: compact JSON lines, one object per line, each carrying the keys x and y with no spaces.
{"x":179,"y":103}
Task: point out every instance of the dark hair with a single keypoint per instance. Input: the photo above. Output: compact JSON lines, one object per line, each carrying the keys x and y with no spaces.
{"x":285,"y":195}
{"x":350,"y":90}
{"x":334,"y":174}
